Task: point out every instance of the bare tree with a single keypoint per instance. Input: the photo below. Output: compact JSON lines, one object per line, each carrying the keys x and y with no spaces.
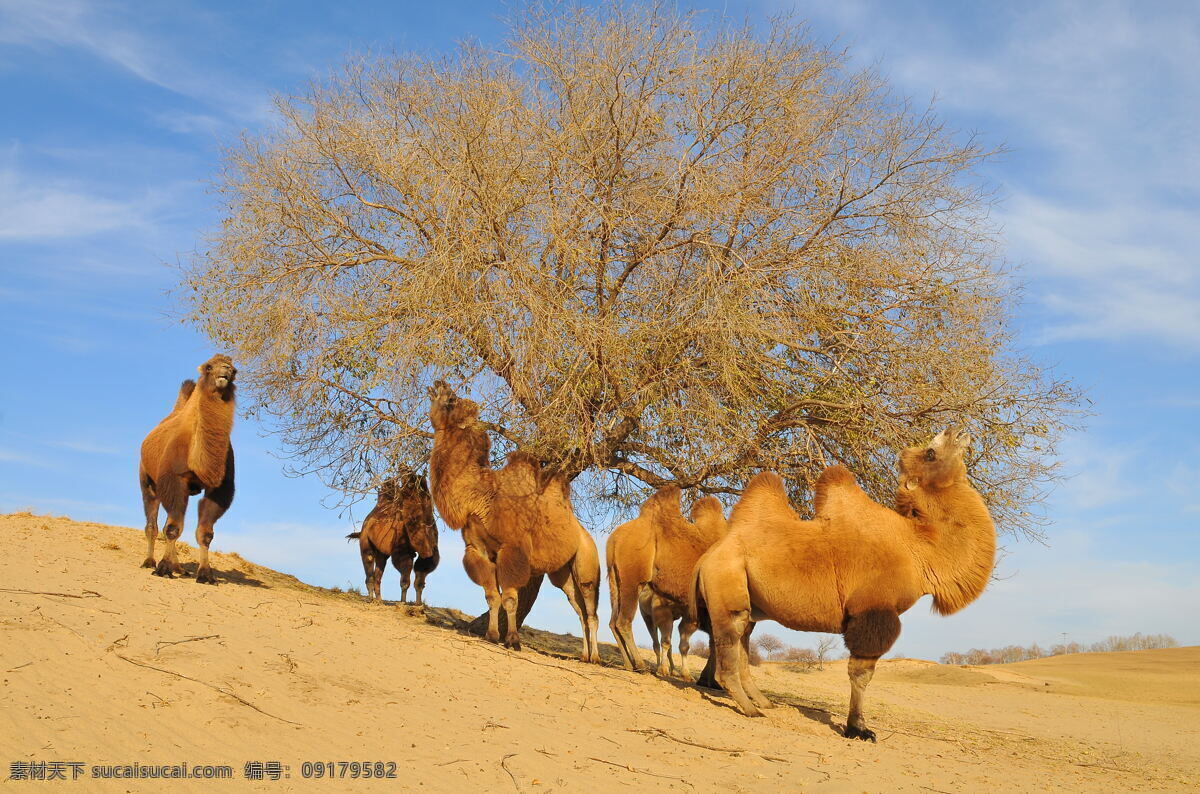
{"x":803,"y":659}
{"x":825,"y":647}
{"x":768,"y":644}
{"x":655,"y":247}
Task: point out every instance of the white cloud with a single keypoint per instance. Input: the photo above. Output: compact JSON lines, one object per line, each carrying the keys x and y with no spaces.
{"x":1098,"y":102}
{"x":99,"y":29}
{"x":38,"y":210}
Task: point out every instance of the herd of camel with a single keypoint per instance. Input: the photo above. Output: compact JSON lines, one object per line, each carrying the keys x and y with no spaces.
{"x":851,"y":570}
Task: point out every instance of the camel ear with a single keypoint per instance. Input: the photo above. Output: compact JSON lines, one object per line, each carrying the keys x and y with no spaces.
{"x":911,"y":485}
{"x":430,"y":392}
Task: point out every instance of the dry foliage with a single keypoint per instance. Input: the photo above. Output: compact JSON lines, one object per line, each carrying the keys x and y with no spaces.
{"x":651,"y":245}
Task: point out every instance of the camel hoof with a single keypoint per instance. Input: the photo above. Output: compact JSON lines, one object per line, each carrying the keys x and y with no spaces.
{"x":205,"y":576}
{"x":512,"y":641}
{"x":492,"y":636}
{"x":164,"y":569}
{"x":148,"y":562}
{"x":865,"y":734}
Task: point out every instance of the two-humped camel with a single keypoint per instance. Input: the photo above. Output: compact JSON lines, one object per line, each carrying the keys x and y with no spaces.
{"x":650,"y":561}
{"x":400,"y":526}
{"x":852,"y":570}
{"x":186,"y":453}
{"x":516,"y":521}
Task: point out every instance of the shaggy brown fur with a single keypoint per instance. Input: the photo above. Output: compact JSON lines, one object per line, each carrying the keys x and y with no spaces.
{"x":650,"y":561}
{"x":189,"y":452}
{"x":400,"y":526}
{"x":516,"y":522}
{"x":852,"y":570}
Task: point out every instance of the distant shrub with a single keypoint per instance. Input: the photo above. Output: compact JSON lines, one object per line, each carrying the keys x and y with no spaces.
{"x":1017,"y":653}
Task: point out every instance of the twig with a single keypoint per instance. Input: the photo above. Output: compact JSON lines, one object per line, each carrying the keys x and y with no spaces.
{"x":504,"y":766}
{"x":448,"y":763}
{"x":160,"y":645}
{"x":117,"y":642}
{"x":86,"y":593}
{"x":18,"y":667}
{"x":659,"y":732}
{"x":628,"y":768}
{"x":489,"y":648}
{"x":491,"y":724}
{"x":938,"y":790}
{"x":236,"y":697}
{"x":161,"y":699}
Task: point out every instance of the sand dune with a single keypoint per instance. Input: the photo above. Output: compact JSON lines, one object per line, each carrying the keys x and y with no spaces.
{"x":103,"y":663}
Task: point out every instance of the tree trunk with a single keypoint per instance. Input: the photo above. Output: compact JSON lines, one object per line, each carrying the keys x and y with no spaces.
{"x":525,"y":599}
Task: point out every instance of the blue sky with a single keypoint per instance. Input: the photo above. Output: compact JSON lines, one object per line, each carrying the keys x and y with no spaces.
{"x":115,"y":112}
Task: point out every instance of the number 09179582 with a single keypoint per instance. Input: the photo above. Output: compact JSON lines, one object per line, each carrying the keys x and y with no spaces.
{"x":350,"y":769}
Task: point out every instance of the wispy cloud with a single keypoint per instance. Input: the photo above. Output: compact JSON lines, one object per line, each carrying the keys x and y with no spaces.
{"x":1097,"y":100}
{"x":108,"y":31}
{"x":38,"y":210}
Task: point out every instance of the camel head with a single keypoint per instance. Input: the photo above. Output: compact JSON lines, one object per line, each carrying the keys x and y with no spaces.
{"x":447,"y":410}
{"x":937,"y":464}
{"x":217,"y":374}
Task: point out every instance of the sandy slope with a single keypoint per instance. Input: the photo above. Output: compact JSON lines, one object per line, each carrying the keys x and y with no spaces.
{"x":298,"y":674}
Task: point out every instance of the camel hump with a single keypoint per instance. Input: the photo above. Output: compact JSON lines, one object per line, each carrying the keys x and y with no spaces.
{"x":185,"y":391}
{"x":709,"y":507}
{"x":764,"y":491}
{"x":835,"y":485}
{"x":665,"y":500}
{"x":708,"y":514}
{"x":835,"y":475}
{"x":519,"y":458}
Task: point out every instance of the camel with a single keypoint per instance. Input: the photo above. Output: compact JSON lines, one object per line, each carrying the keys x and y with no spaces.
{"x":852,"y":570}
{"x":517,"y":522}
{"x":400,"y":526}
{"x":186,"y":453}
{"x":650,"y":561}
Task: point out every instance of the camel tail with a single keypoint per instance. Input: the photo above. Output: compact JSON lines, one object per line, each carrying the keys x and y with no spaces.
{"x":353,"y":535}
{"x":427,"y":564}
{"x":697,"y":610}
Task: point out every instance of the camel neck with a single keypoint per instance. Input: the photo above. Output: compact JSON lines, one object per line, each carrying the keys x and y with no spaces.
{"x":212,"y":422}
{"x":955,"y":544}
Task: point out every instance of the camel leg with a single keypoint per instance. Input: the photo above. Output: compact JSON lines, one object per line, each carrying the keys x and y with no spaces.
{"x":174,"y":497}
{"x":620,"y":622}
{"x":213,"y":505}
{"x":482,"y":572}
{"x":664,"y":620}
{"x":512,"y":573}
{"x":748,"y":684}
{"x":378,"y":566}
{"x":869,"y":635}
{"x":583,"y":603}
{"x":686,"y":630}
{"x":646,"y":608}
{"x":585,"y":574}
{"x":150,"y":505}
{"x":404,"y":564}
{"x":728,"y":630}
{"x":424,"y":566}
{"x":368,"y":563}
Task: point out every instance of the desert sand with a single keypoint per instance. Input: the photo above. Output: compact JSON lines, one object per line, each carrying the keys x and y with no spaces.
{"x":103,"y":663}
